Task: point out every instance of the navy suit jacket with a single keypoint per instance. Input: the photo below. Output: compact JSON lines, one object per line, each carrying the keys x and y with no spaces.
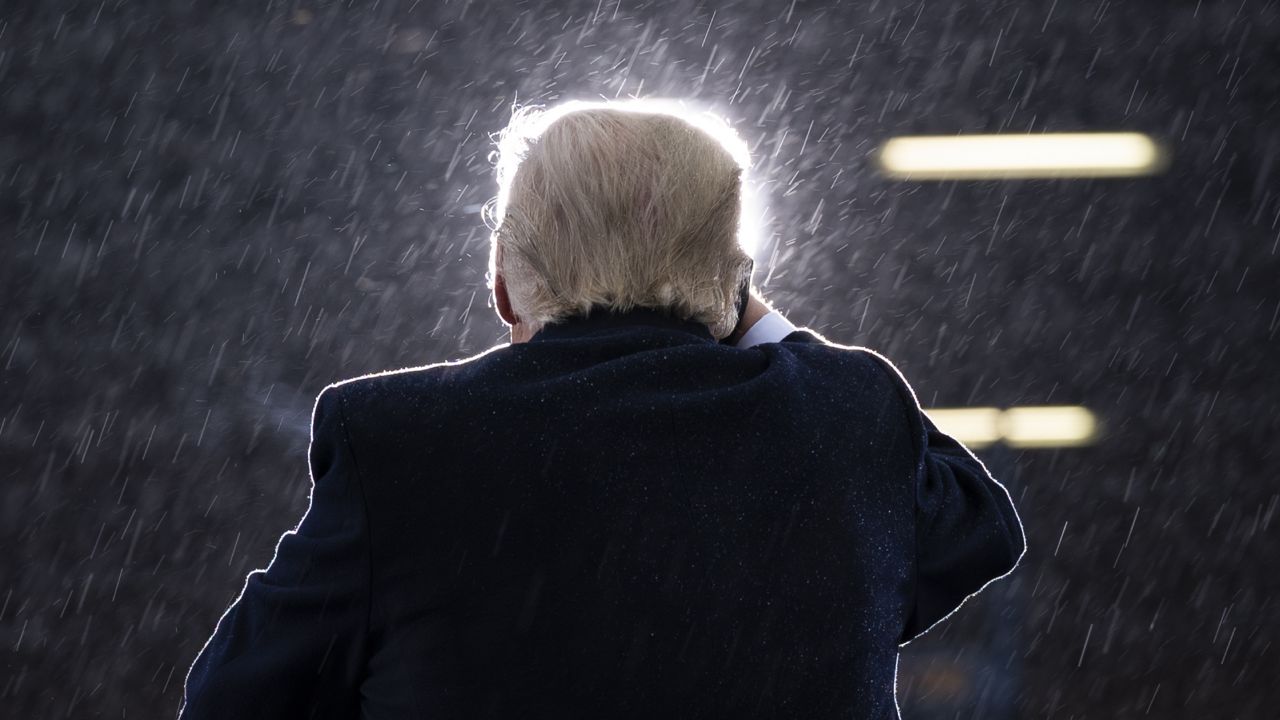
{"x":620,"y":518}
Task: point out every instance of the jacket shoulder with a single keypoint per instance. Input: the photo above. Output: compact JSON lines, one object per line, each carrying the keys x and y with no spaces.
{"x":815,"y":342}
{"x":399,"y":380}
{"x":378,"y":407}
{"x":807,"y":341}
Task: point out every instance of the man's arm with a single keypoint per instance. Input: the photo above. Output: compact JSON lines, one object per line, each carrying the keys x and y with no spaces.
{"x":293,"y":643}
{"x":968,"y":532}
{"x":772,"y":327}
{"x":759,"y":323}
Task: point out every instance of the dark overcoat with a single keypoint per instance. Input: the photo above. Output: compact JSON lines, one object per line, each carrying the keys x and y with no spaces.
{"x":621,"y":518}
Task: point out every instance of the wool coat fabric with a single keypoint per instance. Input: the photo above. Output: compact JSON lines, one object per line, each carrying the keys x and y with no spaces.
{"x":621,"y":518}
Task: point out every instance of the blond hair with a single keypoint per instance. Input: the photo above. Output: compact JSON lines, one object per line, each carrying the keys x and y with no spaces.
{"x":622,"y":204}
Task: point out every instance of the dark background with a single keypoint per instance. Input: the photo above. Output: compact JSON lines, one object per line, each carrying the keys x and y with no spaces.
{"x":209,"y":211}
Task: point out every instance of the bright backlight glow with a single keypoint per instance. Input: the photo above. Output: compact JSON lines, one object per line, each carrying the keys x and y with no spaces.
{"x":985,"y":157}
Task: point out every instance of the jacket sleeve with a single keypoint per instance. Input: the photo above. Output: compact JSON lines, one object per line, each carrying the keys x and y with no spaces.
{"x":292,"y":645}
{"x":968,"y":532}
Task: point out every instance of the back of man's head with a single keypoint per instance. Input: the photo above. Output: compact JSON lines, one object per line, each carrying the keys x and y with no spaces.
{"x":622,"y":204}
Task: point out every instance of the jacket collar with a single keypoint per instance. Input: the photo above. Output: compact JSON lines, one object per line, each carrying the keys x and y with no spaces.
{"x":603,"y":317}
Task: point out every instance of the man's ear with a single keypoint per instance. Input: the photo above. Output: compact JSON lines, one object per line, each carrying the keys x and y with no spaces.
{"x":500,"y":294}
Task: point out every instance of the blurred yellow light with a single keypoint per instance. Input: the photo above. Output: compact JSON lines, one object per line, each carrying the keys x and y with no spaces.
{"x":1048,"y":426}
{"x":1026,"y":427}
{"x":1046,"y":155}
{"x":975,"y":427}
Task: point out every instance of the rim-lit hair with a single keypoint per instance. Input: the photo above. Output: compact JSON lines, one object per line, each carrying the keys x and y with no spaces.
{"x":623,"y":204}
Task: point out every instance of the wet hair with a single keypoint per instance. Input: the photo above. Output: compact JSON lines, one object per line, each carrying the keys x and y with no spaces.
{"x":620,"y":204}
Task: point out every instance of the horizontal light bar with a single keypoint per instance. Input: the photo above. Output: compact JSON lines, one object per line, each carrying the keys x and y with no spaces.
{"x":972,"y":426}
{"x":975,"y":427}
{"x":1045,"y":155}
{"x":1048,"y":426}
{"x":1042,"y":426}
